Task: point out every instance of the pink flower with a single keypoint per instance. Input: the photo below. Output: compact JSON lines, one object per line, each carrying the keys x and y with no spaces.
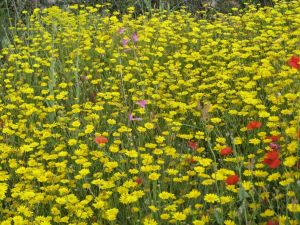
{"x":135,"y":37}
{"x":131,"y":118}
{"x":124,"y":42}
{"x":121,"y":30}
{"x":142,"y":103}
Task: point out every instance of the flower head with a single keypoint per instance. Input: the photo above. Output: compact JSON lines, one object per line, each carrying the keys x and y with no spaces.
{"x":274,"y":146}
{"x":131,"y":118}
{"x":135,"y":37}
{"x":101,"y":140}
{"x":273,"y":138}
{"x":226,"y":151}
{"x":121,"y":30}
{"x":139,"y":180}
{"x":272,"y":159}
{"x":142,"y":103}
{"x":124,"y":42}
{"x":294,"y":62}
{"x":193,"y":145}
{"x":232,"y":179}
{"x":253,"y":125}
{"x":272,"y":222}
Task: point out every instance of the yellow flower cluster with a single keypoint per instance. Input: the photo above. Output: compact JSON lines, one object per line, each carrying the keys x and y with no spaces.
{"x":158,"y":119}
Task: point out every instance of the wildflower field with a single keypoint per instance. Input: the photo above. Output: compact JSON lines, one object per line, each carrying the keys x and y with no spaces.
{"x":156,"y":119}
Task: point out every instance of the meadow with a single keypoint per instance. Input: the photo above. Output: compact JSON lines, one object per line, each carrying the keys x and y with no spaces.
{"x":161,"y":118}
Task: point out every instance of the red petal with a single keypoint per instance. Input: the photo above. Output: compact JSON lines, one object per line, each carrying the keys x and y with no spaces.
{"x":272,"y":222}
{"x":226,"y":151}
{"x":233,"y":179}
{"x":101,"y":140}
{"x":272,"y":155}
{"x":274,"y":138}
{"x":294,"y":62}
{"x":275,"y":164}
{"x":253,"y":125}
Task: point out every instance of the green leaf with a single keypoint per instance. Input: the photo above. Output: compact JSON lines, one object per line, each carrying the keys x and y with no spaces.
{"x":243,"y":194}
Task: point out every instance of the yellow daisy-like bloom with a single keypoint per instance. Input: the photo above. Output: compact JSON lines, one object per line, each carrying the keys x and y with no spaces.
{"x":295,"y":208}
{"x":111,"y":214}
{"x":166,"y":195}
{"x":154,"y":176}
{"x":164,"y":216}
{"x":211,"y":198}
{"x":179,"y":216}
{"x":229,"y":222}
{"x":290,"y":161}
{"x":267,"y":213}
{"x":193,"y":194}
{"x":149,"y":221}
{"x":3,"y":189}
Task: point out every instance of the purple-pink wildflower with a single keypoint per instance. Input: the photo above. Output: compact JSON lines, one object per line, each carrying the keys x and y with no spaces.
{"x":135,"y":37}
{"x":142,"y":103}
{"x":131,"y":118}
{"x":121,"y":30}
{"x":125,"y":42}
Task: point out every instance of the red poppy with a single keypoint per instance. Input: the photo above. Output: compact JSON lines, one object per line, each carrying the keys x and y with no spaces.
{"x":253,"y":125}
{"x":193,"y":145}
{"x":272,"y":159}
{"x":138,"y":180}
{"x":272,"y":222}
{"x":273,"y":138}
{"x":226,"y":151}
{"x":299,"y":133}
{"x":232,"y":179}
{"x":295,"y":62}
{"x":101,"y":140}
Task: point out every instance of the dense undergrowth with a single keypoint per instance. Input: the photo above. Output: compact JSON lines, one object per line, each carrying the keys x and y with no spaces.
{"x":161,"y":119}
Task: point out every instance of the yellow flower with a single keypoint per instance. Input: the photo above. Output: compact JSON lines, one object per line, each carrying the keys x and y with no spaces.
{"x":179,"y":216}
{"x":76,"y":123}
{"x":254,"y":141}
{"x":211,"y":198}
{"x":111,"y":122}
{"x":72,"y":142}
{"x":149,"y":221}
{"x":164,"y":216}
{"x":166,"y":195}
{"x":193,"y":194}
{"x":229,"y":222}
{"x":226,"y":199}
{"x":149,"y":126}
{"x":154,"y":176}
{"x":111,"y":214}
{"x":215,"y":120}
{"x":267,"y":213}
{"x":290,"y":161}
{"x":153,"y":208}
{"x":295,"y":208}
{"x":3,"y":189}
